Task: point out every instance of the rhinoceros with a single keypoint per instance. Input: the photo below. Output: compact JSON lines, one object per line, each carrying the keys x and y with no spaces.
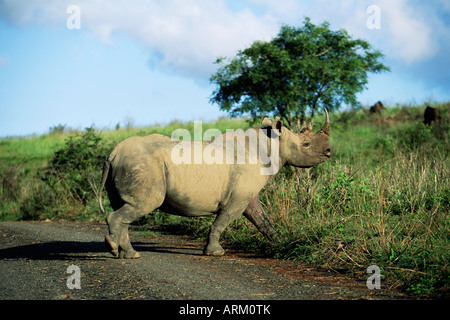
{"x":376,"y":108}
{"x":430,"y":115}
{"x":141,"y":175}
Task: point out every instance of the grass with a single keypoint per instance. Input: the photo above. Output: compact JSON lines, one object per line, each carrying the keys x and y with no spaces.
{"x":382,"y":199}
{"x":387,"y":216}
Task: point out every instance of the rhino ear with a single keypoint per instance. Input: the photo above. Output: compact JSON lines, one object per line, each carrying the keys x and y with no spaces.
{"x":308,"y":128}
{"x":266,"y":122}
{"x":278,"y":124}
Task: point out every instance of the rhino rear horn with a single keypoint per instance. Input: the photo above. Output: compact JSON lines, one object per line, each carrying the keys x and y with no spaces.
{"x":326,"y":127}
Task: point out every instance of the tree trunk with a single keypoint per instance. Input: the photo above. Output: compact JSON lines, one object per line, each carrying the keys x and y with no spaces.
{"x":313,"y":111}
{"x":297,"y":122}
{"x":303,"y":117}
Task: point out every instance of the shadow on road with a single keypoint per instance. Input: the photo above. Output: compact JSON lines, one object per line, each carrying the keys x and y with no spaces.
{"x":54,"y":250}
{"x":167,"y":248}
{"x":69,"y":250}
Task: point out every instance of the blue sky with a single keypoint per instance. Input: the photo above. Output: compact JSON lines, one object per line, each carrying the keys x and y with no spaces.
{"x":150,"y":61}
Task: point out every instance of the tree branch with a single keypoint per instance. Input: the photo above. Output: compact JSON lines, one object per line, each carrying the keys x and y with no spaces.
{"x":323,"y":52}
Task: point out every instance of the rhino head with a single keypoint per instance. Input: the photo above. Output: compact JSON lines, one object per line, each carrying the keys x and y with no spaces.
{"x":304,"y":149}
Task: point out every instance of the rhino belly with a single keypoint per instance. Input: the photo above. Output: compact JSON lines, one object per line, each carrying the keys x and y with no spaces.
{"x":196,"y":190}
{"x":185,"y":205}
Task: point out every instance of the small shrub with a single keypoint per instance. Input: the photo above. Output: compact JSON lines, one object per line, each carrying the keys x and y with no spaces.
{"x":10,"y":179}
{"x":76,"y":167}
{"x":413,"y":137}
{"x":340,"y":190}
{"x":385,"y":143}
{"x":58,"y":129}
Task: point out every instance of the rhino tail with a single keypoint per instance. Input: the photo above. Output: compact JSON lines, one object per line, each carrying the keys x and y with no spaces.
{"x":105,"y":172}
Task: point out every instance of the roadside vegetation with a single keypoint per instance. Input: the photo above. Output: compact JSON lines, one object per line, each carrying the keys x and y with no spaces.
{"x":382,"y":199}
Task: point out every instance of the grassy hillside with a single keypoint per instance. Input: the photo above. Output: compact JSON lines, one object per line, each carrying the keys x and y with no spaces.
{"x":383,"y":198}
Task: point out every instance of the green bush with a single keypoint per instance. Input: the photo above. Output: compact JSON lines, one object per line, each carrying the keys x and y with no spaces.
{"x":76,"y":167}
{"x":413,"y":137}
{"x":340,"y":190}
{"x":10,"y":179}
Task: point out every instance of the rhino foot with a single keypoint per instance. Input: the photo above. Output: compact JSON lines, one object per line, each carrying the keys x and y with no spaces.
{"x":112,"y":246}
{"x":213,"y":250}
{"x":129,"y":254}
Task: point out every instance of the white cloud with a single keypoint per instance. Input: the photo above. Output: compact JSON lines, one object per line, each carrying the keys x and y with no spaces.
{"x":407,"y":27}
{"x":187,"y":35}
{"x":287,"y":11}
{"x":409,"y":34}
{"x":190,"y":35}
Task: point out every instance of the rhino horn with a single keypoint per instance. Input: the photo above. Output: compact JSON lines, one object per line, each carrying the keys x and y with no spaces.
{"x":326,"y":127}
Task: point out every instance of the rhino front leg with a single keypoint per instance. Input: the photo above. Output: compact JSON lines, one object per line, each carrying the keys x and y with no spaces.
{"x":255,"y":214}
{"x":223,"y":219}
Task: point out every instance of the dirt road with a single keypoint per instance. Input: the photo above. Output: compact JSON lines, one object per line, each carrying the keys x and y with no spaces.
{"x":35,"y":256}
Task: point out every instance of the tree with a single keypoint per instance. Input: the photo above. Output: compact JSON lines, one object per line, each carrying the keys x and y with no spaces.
{"x":301,"y":69}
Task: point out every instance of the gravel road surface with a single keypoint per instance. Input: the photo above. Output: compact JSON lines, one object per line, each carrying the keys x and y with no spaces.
{"x":35,"y":257}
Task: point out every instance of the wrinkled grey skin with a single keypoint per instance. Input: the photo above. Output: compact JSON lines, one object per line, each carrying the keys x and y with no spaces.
{"x":140,"y":176}
{"x":255,"y":213}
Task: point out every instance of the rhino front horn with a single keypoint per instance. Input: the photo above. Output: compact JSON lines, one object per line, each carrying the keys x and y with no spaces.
{"x":326,"y":127}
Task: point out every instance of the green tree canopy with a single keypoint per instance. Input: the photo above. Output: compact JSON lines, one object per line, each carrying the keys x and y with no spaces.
{"x":300,"y":70}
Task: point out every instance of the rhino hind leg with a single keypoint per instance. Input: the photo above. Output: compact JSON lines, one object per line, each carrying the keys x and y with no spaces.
{"x":131,"y":196}
{"x":118,"y":241}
